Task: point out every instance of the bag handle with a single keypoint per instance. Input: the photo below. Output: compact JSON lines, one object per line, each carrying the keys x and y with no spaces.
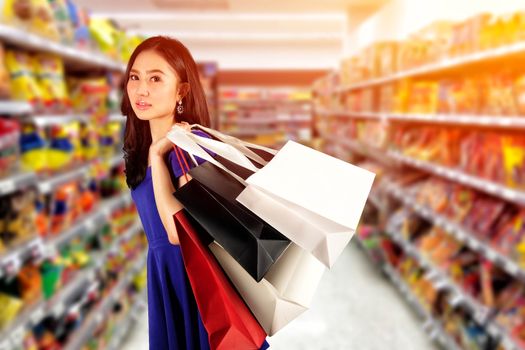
{"x":179,"y":156}
{"x":240,"y":145}
{"x":181,"y":138}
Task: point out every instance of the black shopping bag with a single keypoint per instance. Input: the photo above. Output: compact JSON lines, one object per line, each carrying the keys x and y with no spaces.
{"x":210,"y":199}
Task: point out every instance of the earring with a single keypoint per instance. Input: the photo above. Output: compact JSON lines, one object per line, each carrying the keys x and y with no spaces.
{"x":180,"y":108}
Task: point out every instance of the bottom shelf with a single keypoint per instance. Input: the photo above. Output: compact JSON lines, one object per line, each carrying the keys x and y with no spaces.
{"x":431,"y":326}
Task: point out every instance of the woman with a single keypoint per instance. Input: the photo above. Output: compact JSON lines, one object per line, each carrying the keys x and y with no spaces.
{"x":162,"y":88}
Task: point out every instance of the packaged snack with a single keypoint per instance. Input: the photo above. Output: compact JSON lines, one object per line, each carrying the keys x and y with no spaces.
{"x":42,"y":21}
{"x":24,"y":85}
{"x":5,"y":84}
{"x":9,"y":146}
{"x":49,"y":70}
{"x":514,"y":161}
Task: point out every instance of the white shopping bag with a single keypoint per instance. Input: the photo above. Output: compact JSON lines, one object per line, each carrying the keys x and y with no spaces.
{"x":314,"y":199}
{"x":283,"y":294}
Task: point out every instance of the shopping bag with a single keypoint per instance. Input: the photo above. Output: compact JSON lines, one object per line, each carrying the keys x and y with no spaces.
{"x":227,"y":319}
{"x":210,"y":199}
{"x":314,"y":199}
{"x":284,"y":293}
{"x":288,"y":288}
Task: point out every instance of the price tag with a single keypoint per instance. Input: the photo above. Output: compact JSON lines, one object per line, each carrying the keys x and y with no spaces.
{"x":37,"y":315}
{"x":491,"y":255}
{"x":12,"y":264}
{"x":5,"y":344}
{"x":7,"y":186}
{"x":17,"y":337}
{"x":58,"y":309}
{"x":512,"y":268}
{"x":90,"y":225}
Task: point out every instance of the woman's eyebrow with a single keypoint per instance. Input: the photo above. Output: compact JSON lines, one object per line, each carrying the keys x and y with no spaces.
{"x":148,"y":71}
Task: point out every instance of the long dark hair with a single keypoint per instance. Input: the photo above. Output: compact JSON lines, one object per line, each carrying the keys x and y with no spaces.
{"x":137,"y":137}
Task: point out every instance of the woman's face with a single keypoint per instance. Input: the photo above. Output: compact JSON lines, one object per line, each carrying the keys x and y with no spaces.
{"x":152,"y":86}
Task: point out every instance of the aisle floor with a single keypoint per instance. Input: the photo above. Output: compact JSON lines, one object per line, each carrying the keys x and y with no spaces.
{"x":355,"y":308}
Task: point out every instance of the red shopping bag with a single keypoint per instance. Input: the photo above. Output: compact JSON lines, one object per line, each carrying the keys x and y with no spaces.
{"x":229,"y":322}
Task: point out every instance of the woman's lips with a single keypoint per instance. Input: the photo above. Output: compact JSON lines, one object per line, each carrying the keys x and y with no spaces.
{"x":142,"y":105}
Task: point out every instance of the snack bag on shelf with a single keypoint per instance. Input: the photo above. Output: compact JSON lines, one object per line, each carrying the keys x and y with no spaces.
{"x":9,"y":146}
{"x":33,"y":147}
{"x":423,"y":97}
{"x":509,"y":234}
{"x":89,"y":138}
{"x":24,"y":84}
{"x":90,"y":96}
{"x":519,"y":94}
{"x":62,"y":21}
{"x":5,"y":83}
{"x":10,"y":306}
{"x":402,"y":96}
{"x":64,"y":148}
{"x":79,"y":21}
{"x":42,"y":20}
{"x":105,"y":34}
{"x":514,"y":161}
{"x":17,"y":217}
{"x":17,"y":13}
{"x":49,"y":70}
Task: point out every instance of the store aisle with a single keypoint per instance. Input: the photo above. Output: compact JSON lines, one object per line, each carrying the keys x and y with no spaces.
{"x":355,"y":308}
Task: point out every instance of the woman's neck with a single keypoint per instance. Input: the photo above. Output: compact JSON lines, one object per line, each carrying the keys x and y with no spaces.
{"x":160,"y":127}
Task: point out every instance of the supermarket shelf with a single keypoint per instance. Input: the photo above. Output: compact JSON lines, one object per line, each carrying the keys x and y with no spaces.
{"x":441,"y":281}
{"x":365,"y":150}
{"x":97,"y":315}
{"x":460,"y":233}
{"x":34,"y":314}
{"x":481,"y":313}
{"x":139,"y":304}
{"x":56,"y":305}
{"x":91,"y":222}
{"x":50,"y":183}
{"x":116,"y":117}
{"x":443,"y":65}
{"x":458,"y":119}
{"x":16,"y":181}
{"x":253,"y":132}
{"x":22,"y":179}
{"x":37,"y":246}
{"x":483,"y":185}
{"x":15,"y":107}
{"x":264,"y":121}
{"x":265,"y":101}
{"x":27,"y":40}
{"x":44,"y":120}
{"x":10,"y":261}
{"x":349,"y":114}
{"x":116,"y":160}
{"x":432,"y":326}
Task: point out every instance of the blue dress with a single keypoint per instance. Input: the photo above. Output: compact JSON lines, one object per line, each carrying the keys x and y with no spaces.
{"x":173,"y":317}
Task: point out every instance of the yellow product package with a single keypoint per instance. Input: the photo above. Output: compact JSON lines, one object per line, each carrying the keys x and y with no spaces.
{"x":514,"y":161}
{"x":49,"y":70}
{"x":24,"y":85}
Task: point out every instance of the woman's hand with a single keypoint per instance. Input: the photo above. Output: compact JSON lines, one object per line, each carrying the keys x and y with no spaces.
{"x":163,"y":145}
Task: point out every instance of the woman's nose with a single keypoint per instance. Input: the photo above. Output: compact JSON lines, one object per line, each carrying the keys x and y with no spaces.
{"x":142,"y":89}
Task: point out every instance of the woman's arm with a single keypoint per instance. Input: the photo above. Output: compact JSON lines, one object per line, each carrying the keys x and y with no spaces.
{"x":167,"y":204}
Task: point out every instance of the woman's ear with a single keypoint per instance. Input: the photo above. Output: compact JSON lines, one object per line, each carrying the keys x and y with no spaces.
{"x":184,"y":89}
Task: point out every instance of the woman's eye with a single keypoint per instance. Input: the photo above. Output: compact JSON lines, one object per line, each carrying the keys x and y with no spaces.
{"x":133,"y":77}
{"x":155,"y":78}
